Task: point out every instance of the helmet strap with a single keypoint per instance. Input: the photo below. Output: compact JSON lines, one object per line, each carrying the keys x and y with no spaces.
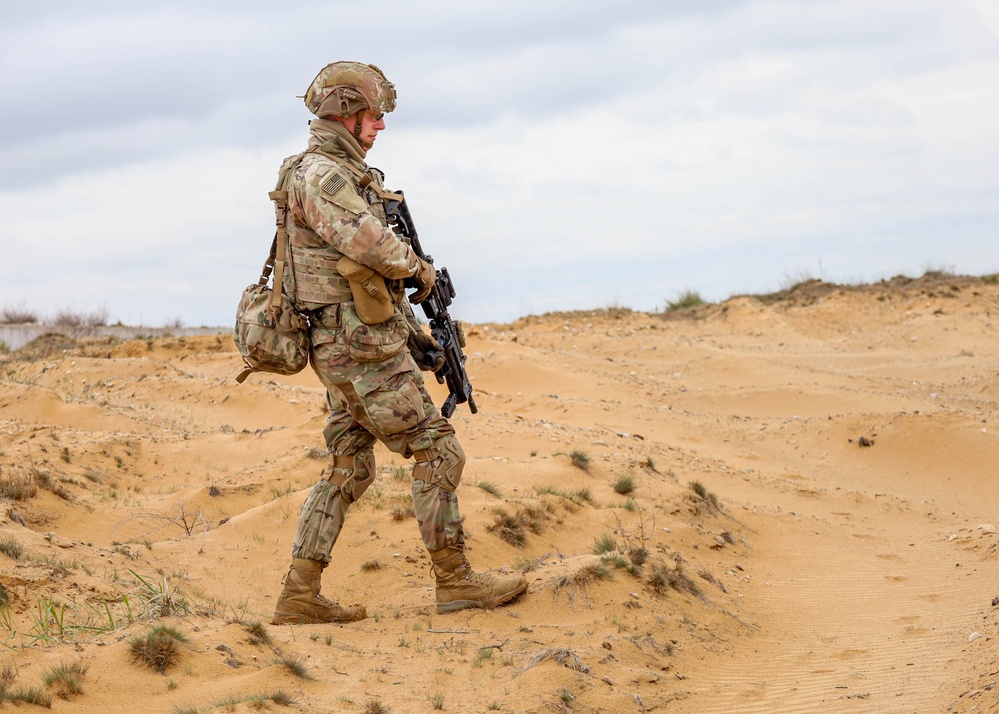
{"x":357,"y":126}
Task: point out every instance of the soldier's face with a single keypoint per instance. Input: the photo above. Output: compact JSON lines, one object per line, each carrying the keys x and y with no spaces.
{"x":371,"y":124}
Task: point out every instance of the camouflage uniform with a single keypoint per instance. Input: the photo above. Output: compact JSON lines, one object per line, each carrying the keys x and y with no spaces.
{"x":374,"y":387}
{"x":332,"y":215}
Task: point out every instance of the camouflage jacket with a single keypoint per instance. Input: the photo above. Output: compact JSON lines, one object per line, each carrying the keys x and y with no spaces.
{"x":330,"y":215}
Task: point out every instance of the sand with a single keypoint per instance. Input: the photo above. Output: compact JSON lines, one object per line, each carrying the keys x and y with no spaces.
{"x":811,"y":525}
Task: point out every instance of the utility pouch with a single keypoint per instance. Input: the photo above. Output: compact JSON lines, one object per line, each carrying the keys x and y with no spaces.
{"x":373,"y":342}
{"x":371,"y":296}
{"x":271,"y":335}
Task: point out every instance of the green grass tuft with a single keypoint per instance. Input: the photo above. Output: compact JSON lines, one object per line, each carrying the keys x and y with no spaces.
{"x":12,"y":548}
{"x":258,"y":633}
{"x":625,"y":484}
{"x":686,"y":300}
{"x":580,"y":459}
{"x":604,"y":544}
{"x":490,"y":488}
{"x":28,"y":695}
{"x":65,"y":678}
{"x":709,"y":499}
{"x":159,"y":648}
{"x":295,"y":666}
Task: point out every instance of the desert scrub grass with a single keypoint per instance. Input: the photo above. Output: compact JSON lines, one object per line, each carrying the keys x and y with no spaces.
{"x":370,"y":565}
{"x":12,"y":548}
{"x":685,"y":300}
{"x":706,"y":498}
{"x":44,"y":480}
{"x":490,"y":488}
{"x":26,"y":695}
{"x":565,"y":657}
{"x":80,"y":321}
{"x":706,"y":574}
{"x":159,"y":648}
{"x":403,"y":513}
{"x":158,"y":599}
{"x":8,"y":673}
{"x":621,"y":563}
{"x":258,"y":633}
{"x":580,"y":459}
{"x":66,"y":678}
{"x":513,"y":527}
{"x":638,"y":555}
{"x":258,"y":702}
{"x":295,"y":667}
{"x":578,"y":497}
{"x":19,"y":315}
{"x":375,"y":706}
{"x":282,"y":699}
{"x":509,"y":527}
{"x":17,"y":483}
{"x":525,"y":564}
{"x":436,"y":701}
{"x":484,"y":653}
{"x":664,"y":578}
{"x":604,"y":544}
{"x":401,"y":473}
{"x":625,"y":484}
{"x":575,"y":584}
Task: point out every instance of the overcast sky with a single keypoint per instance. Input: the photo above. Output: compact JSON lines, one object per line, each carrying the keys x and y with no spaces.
{"x":556,"y":154}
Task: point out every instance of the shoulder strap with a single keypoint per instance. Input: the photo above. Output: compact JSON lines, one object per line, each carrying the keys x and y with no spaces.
{"x":280,"y":199}
{"x":362,"y":177}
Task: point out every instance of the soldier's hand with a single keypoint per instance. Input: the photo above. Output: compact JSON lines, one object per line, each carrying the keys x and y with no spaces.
{"x":426,"y":351}
{"x":425,"y":277}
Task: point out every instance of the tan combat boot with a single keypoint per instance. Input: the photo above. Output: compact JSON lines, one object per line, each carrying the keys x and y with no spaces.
{"x":458,"y":586}
{"x":300,"y":602}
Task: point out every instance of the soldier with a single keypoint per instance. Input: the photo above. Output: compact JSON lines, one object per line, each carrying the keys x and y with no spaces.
{"x":360,"y":331}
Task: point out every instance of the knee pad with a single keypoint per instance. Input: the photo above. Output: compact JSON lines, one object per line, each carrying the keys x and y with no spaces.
{"x":362,"y":476}
{"x":445,"y":465}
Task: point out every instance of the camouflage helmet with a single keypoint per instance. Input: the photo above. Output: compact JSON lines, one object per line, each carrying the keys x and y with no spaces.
{"x":342,"y":89}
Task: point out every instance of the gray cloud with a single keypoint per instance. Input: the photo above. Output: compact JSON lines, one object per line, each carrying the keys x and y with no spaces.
{"x":558,"y":155}
{"x":94,"y":86}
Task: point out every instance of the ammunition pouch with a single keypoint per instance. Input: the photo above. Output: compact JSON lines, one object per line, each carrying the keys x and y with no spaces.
{"x":372,"y":301}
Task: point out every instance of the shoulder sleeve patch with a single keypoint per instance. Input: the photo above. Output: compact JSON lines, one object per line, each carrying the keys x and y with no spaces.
{"x":334,"y":187}
{"x":333,"y":183}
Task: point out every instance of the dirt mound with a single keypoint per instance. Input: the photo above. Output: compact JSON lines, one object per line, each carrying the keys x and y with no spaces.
{"x":44,"y":346}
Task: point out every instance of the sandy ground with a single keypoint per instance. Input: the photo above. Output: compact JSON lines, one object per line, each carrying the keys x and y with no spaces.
{"x":765,"y":559}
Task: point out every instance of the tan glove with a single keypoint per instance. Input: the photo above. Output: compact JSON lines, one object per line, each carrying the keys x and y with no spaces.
{"x":424,"y":278}
{"x":426,"y":351}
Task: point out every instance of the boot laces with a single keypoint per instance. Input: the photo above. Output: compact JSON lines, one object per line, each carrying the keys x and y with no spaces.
{"x":479,"y":578}
{"x":326,"y":602}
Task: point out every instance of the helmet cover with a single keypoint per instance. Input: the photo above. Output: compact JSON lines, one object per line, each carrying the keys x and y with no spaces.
{"x":342,"y":89}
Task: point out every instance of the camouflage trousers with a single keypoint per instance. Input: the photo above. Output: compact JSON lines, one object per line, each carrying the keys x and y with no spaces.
{"x":379,"y":401}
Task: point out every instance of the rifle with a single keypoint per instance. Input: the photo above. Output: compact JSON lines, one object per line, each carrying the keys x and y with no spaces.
{"x":444,"y":329}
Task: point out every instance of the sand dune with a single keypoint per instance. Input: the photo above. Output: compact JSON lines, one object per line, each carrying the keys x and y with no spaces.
{"x":765,"y":561}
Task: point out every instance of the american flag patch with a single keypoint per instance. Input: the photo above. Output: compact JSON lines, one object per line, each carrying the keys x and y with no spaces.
{"x":332,"y":184}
